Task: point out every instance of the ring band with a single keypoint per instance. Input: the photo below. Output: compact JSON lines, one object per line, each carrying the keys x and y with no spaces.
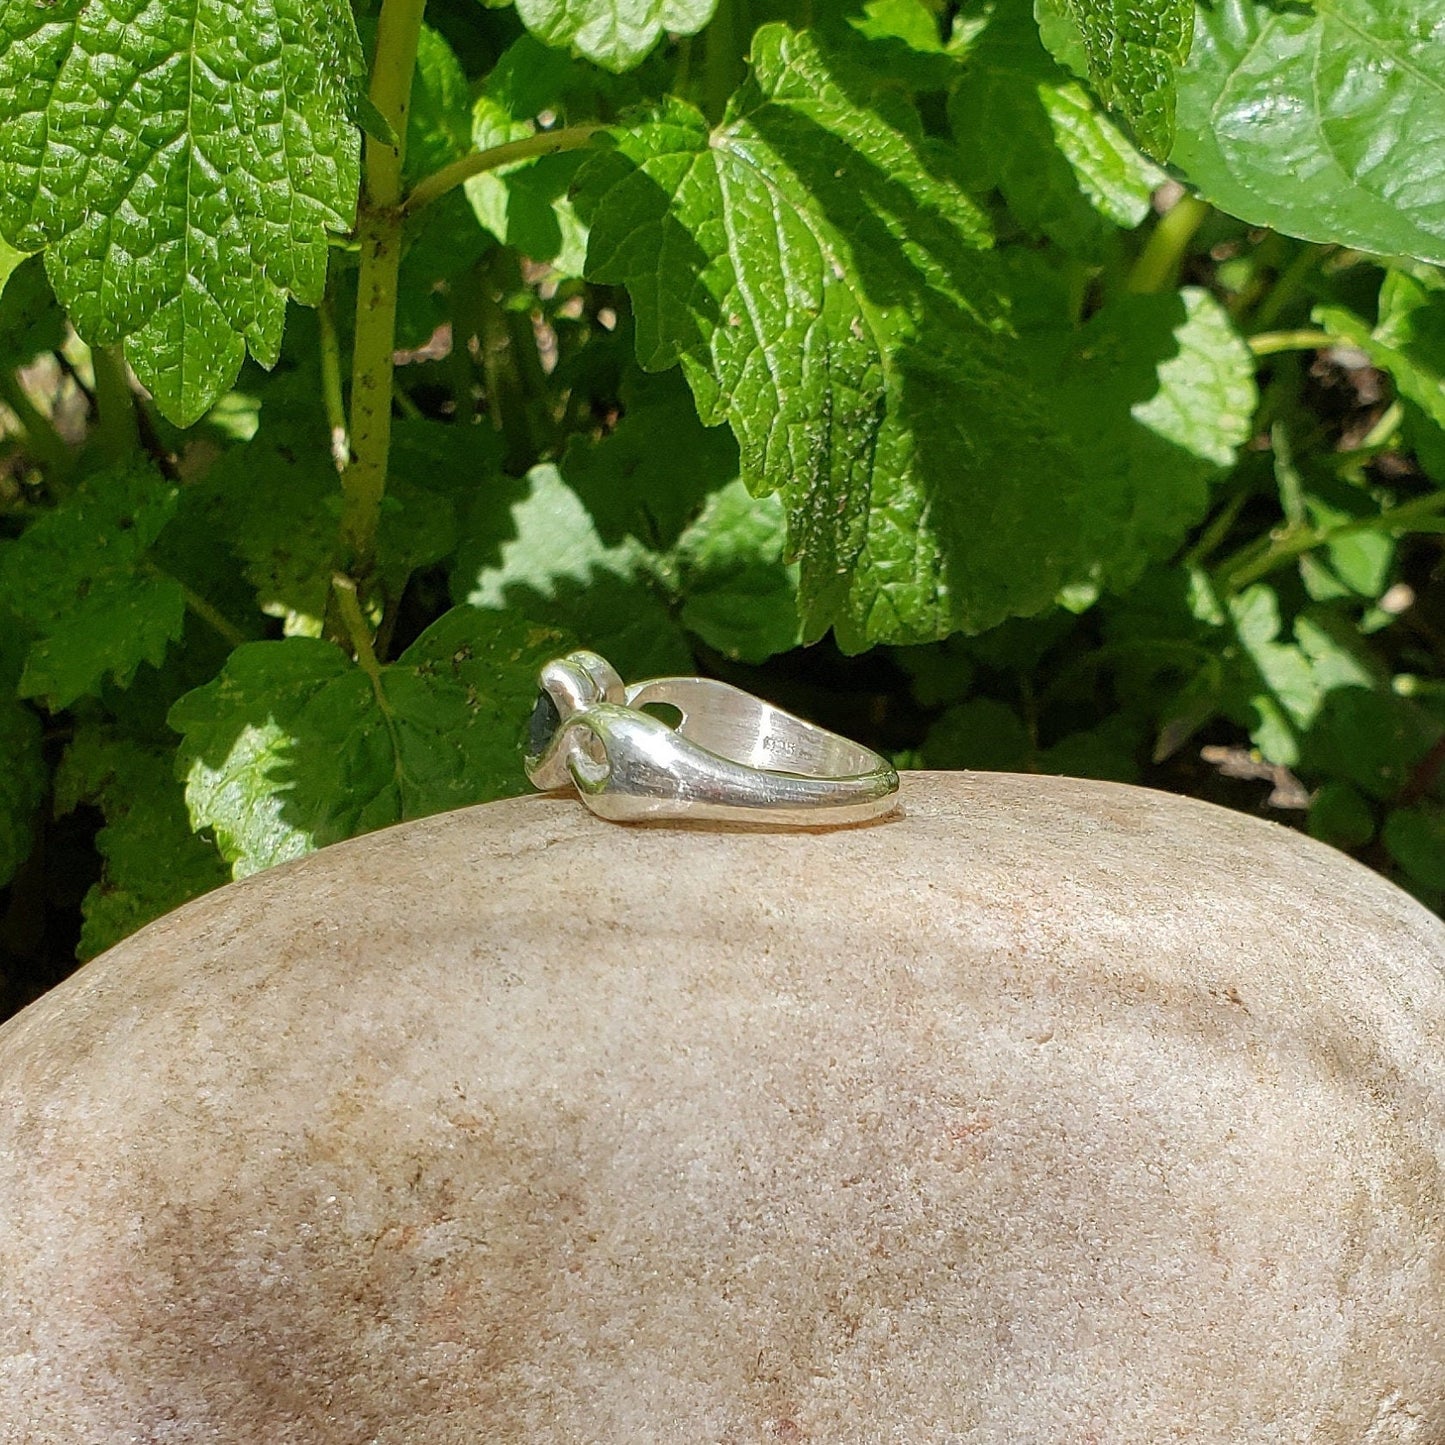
{"x":730,"y":757}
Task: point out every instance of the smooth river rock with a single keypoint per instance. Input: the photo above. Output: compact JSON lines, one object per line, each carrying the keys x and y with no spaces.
{"x":1051,"y":1111}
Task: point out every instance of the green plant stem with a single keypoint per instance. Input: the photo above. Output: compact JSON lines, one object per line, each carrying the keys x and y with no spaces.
{"x":397,"y":32}
{"x":42,"y":441}
{"x":1384,"y":429}
{"x":404,"y":404}
{"x":331,"y":390}
{"x":197,"y":605}
{"x":1217,"y":530}
{"x":1157,"y":268}
{"x":363,"y":483}
{"x":117,"y":433}
{"x":1284,"y":545}
{"x":1271,"y":343}
{"x":1288,"y":286}
{"x":501,"y":376}
{"x":544,"y":143}
{"x":722,"y":58}
{"x":343,"y":589}
{"x":379,"y":224}
{"x":217,"y":621}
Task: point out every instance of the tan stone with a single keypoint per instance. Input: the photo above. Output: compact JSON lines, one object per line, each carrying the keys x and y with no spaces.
{"x":1051,"y":1112}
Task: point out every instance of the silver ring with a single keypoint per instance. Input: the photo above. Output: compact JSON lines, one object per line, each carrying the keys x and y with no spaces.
{"x":729,"y":757}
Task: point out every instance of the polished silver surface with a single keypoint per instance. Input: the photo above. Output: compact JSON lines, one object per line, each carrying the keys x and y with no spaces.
{"x":728,"y":757}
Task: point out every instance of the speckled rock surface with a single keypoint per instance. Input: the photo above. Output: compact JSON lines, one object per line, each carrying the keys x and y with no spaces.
{"x":1050,"y":1112}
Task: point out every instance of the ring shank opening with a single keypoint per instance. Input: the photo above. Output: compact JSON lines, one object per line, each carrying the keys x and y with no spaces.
{"x":735,"y":725}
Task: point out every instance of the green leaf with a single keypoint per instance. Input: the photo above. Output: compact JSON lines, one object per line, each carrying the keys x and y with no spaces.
{"x":1324,"y":120}
{"x":80,"y":580}
{"x":1206,"y":394}
{"x":10,"y":258}
{"x":528,"y":205}
{"x":294,"y":746}
{"x":1358,"y":563}
{"x":816,"y":267}
{"x":1134,"y":49}
{"x":617,"y":34}
{"x":151,"y":861}
{"x":277,"y":501}
{"x":439,"y":123}
{"x":908,"y":20}
{"x":1415,"y":838}
{"x":22,"y":783}
{"x":30,"y":319}
{"x":1370,"y":738}
{"x":1281,"y":691}
{"x":1157,"y":394}
{"x":630,"y":480}
{"x":1031,"y":132}
{"x":980,"y":734}
{"x":1341,"y":817}
{"x":1110,"y":751}
{"x":906,"y":47}
{"x":792,"y":262}
{"x":739,"y":595}
{"x":535,"y":552}
{"x":183,"y":168}
{"x":1283,"y":697}
{"x":373,"y":122}
{"x":789,"y":262}
{"x":1061,"y":38}
{"x":628,"y":516}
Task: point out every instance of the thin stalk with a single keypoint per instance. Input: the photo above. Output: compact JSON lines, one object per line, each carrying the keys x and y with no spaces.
{"x":198,"y":607}
{"x":1217,"y":530}
{"x":379,"y":223}
{"x":1288,"y":286}
{"x":343,"y":589}
{"x":218,"y":622}
{"x":1271,"y":343}
{"x":1260,"y":262}
{"x":506,"y":396}
{"x":117,"y":433}
{"x":1287,"y":477}
{"x":544,"y":143}
{"x":1384,"y":428}
{"x":363,"y":483}
{"x":397,"y":32}
{"x":682,"y":67}
{"x":404,"y":404}
{"x":1157,"y":268}
{"x":1290,"y":542}
{"x":523,"y":359}
{"x":331,"y":392}
{"x":343,"y":593}
{"x":722,"y":60}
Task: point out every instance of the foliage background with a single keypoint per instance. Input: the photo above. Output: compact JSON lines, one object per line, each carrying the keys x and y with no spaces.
{"x":1008,"y":386}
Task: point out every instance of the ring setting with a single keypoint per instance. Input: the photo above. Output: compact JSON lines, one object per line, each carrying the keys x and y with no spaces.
{"x":728,"y":757}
